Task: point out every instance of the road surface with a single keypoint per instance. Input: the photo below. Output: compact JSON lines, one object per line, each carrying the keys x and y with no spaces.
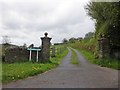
{"x":66,"y":75}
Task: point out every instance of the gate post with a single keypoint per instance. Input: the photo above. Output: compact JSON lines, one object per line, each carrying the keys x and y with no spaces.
{"x":46,"y":48}
{"x":103,"y":47}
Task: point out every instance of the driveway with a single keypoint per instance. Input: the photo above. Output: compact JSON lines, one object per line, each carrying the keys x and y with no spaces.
{"x":67,"y":75}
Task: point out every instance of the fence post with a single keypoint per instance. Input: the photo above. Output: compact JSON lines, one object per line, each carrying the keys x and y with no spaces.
{"x":53,"y":51}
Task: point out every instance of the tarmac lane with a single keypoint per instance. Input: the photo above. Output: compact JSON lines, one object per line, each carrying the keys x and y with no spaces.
{"x":67,"y":75}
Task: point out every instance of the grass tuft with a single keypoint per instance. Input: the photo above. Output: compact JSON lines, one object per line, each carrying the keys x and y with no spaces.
{"x":74,"y":58}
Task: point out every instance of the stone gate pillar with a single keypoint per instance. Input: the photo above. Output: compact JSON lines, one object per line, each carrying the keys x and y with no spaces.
{"x":104,"y":47}
{"x":45,"y":48}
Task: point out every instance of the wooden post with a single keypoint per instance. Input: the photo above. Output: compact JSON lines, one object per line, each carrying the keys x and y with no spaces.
{"x":37,"y":56}
{"x":53,"y":51}
{"x":30,"y":55}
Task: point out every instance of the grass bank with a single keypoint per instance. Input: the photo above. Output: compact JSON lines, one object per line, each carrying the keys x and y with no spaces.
{"x":16,"y":71}
{"x":74,"y":58}
{"x":106,"y":62}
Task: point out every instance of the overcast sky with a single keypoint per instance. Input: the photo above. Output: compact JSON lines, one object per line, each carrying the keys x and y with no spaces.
{"x":25,"y":21}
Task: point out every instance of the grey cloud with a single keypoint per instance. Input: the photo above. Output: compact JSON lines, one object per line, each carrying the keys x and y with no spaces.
{"x":60,"y":18}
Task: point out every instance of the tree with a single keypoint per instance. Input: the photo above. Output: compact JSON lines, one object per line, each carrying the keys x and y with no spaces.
{"x":79,"y":38}
{"x":107,"y":18}
{"x":6,"y":40}
{"x":64,"y":40}
{"x":72,"y":40}
{"x":89,"y":35}
{"x":24,"y":45}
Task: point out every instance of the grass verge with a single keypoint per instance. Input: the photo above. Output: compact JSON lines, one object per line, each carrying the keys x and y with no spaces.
{"x":106,"y":62}
{"x":16,"y":71}
{"x":74,"y":58}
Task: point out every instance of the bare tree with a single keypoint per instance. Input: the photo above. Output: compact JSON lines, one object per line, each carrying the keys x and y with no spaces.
{"x":6,"y":40}
{"x":25,"y":45}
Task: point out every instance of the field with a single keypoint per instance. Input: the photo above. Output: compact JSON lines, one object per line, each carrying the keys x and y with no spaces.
{"x":15,"y":71}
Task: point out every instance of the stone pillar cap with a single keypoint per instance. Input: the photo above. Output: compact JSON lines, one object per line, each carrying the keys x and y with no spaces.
{"x":46,"y":34}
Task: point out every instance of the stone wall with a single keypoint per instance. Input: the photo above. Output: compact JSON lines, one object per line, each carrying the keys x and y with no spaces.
{"x":19,"y":55}
{"x":16,"y":55}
